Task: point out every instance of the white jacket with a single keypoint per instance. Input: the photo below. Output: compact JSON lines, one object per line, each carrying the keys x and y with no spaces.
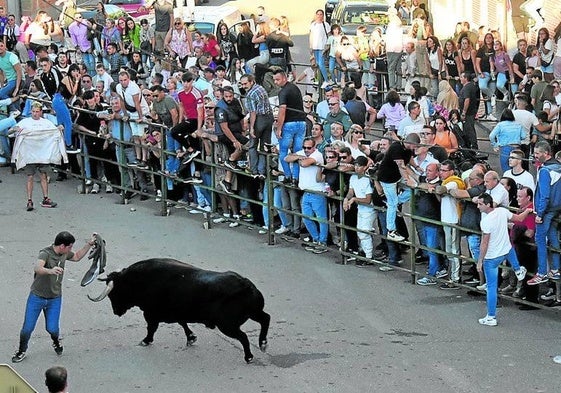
{"x":39,"y":142}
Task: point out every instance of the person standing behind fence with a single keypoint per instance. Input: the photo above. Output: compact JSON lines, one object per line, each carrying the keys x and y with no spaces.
{"x":547,"y":203}
{"x":56,"y":379}
{"x":165,"y":110}
{"x":495,"y":248}
{"x":291,"y":124}
{"x":260,"y":123}
{"x":314,"y":202}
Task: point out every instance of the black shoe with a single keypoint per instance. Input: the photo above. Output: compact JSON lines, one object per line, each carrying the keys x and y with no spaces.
{"x":58,"y":347}
{"x":18,"y":356}
{"x":230,"y":164}
{"x":142,"y":165}
{"x":70,"y":149}
{"x":190,"y":157}
{"x":226,"y":186}
{"x":449,"y":285}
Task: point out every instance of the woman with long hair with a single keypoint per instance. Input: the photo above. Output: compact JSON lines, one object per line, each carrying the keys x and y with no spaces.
{"x":212,"y":48}
{"x":557,"y":57}
{"x":333,"y":42}
{"x":467,"y":56}
{"x":39,"y":31}
{"x":142,"y":71}
{"x":506,"y":137}
{"x":349,"y":62}
{"x":549,"y":104}
{"x":177,"y":42}
{"x":392,"y":111}
{"x":132,"y":33}
{"x":353,"y":138}
{"x":435,"y":63}
{"x":227,"y":42}
{"x":246,"y":49}
{"x":444,"y":137}
{"x":259,"y":39}
{"x":483,"y":67}
{"x":545,"y":49}
{"x":503,"y":69}
{"x":236,"y":71}
{"x":452,"y":65}
{"x":70,"y":86}
{"x":36,"y":90}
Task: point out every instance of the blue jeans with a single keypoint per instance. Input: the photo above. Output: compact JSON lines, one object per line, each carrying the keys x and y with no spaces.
{"x":7,"y":90}
{"x":318,"y":55}
{"x":487,"y":87}
{"x":392,"y":199}
{"x":50,"y":308}
{"x":431,"y":238}
{"x":393,"y":251}
{"x":333,"y":71}
{"x":501,"y":83}
{"x":89,"y":61}
{"x":63,"y":117}
{"x":315,"y":205}
{"x":504,"y":154}
{"x":277,"y":202}
{"x":172,"y":162}
{"x":547,"y":231}
{"x":474,"y":243}
{"x":491,"y":269}
{"x":293,"y":134}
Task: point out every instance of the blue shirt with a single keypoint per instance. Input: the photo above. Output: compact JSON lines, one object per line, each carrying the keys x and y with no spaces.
{"x":507,"y":133}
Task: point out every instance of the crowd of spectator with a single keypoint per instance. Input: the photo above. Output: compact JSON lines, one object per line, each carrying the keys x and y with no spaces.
{"x":151,"y":124}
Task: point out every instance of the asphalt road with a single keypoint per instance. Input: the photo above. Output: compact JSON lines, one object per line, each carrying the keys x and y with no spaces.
{"x":334,"y":328}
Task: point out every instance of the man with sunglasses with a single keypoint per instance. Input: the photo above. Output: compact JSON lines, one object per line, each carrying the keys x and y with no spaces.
{"x":314,"y":202}
{"x":336,"y":114}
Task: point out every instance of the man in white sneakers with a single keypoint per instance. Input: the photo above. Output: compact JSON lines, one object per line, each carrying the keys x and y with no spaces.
{"x":495,"y":248}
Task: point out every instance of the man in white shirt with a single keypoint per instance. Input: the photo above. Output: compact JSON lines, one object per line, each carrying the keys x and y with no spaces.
{"x":517,"y":173}
{"x":319,"y":31}
{"x":136,"y":107}
{"x":314,"y":204}
{"x":496,"y":189}
{"x":495,"y":249}
{"x":360,"y":192}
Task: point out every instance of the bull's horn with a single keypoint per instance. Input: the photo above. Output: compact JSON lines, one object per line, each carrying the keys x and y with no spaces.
{"x":108,"y":289}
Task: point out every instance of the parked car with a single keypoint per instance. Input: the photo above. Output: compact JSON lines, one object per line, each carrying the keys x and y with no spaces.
{"x":113,"y":11}
{"x":329,"y":7}
{"x":349,"y":14}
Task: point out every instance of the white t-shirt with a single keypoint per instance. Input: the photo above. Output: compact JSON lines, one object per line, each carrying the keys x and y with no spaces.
{"x":496,"y":223}
{"x":499,"y":195}
{"x":131,"y":90}
{"x":308,"y":175}
{"x":525,"y":178}
{"x":449,"y":206}
{"x":362,"y":187}
{"x":318,"y":35}
{"x":527,"y":120}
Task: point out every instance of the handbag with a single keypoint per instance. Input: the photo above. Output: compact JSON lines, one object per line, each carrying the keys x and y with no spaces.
{"x":146,"y":46}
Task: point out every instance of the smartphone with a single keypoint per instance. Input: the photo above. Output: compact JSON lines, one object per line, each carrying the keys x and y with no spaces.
{"x":364,"y":142}
{"x":109,"y":110}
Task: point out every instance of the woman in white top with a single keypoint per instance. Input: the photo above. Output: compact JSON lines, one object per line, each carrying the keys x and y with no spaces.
{"x":435,"y":63}
{"x":545,"y":49}
{"x":177,"y":42}
{"x":557,"y":58}
{"x":39,"y":32}
{"x":352,"y":140}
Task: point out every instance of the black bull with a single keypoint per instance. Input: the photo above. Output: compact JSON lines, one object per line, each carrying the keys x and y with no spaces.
{"x":170,"y":291}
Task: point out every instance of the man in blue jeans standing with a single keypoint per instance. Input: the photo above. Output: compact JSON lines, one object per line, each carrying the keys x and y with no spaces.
{"x":46,"y":290}
{"x":291,"y":125}
{"x":495,"y":249}
{"x":314,"y":200}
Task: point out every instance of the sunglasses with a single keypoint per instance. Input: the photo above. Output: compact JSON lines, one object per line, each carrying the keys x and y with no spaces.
{"x":330,"y":157}
{"x":332,"y":103}
{"x":147,"y":95}
{"x":86,"y":81}
{"x":343,"y":157}
{"x":358,"y":132}
{"x":307,"y":101}
{"x":346,"y":44}
{"x":178,"y":23}
{"x":307,"y":147}
{"x":153,"y":95}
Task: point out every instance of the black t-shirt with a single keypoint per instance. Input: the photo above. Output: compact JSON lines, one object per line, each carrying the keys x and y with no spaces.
{"x":291,"y":96}
{"x":451,"y":66}
{"x":357,"y":111}
{"x":389,"y":171}
{"x":278,"y":45}
{"x":427,"y":204}
{"x":231,"y":114}
{"x":520,"y":60}
{"x":471,"y":91}
{"x":485,"y":54}
{"x":471,"y":216}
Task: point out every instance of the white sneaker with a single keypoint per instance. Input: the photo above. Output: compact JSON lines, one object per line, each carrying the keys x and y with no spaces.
{"x":491,"y":117}
{"x":234,"y":224}
{"x":393,"y":235}
{"x":482,"y":287}
{"x":95,"y":189}
{"x":89,"y":182}
{"x":488,"y":321}
{"x":158,"y":196}
{"x":198,"y":210}
{"x":521,"y":273}
{"x":281,"y":230}
{"x":108,"y":189}
{"x":264,"y":229}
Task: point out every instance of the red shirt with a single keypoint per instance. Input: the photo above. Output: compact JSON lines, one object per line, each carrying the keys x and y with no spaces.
{"x":191,"y":102}
{"x":210,"y":47}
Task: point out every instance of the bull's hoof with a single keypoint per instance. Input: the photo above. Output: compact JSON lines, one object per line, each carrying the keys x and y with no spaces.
{"x":263,"y":345}
{"x":191,"y":339}
{"x":249,"y":359}
{"x":144,"y":343}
